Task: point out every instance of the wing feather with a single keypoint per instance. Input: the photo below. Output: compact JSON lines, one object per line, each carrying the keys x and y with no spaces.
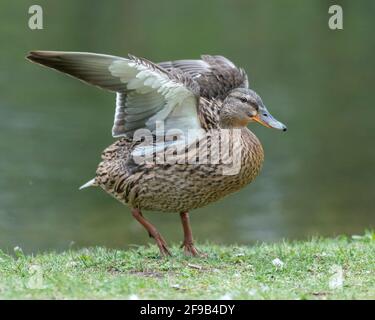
{"x":146,"y":92}
{"x":216,"y":75}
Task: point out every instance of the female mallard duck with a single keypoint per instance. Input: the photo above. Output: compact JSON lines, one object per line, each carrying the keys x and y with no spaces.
{"x":205,"y":104}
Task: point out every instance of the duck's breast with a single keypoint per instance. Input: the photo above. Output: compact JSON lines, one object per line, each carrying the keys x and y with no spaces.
{"x":185,"y":186}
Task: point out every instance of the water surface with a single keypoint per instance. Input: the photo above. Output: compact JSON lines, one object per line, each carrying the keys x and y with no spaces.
{"x":318,"y":179}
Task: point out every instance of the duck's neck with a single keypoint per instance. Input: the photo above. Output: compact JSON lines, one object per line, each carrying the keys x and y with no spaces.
{"x":228,"y":121}
{"x":231,"y":124}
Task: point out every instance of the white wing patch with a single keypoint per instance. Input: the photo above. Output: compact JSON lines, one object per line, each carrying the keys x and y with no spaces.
{"x":152,"y":97}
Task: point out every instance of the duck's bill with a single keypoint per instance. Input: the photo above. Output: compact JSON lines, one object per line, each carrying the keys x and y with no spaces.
{"x":266,"y":119}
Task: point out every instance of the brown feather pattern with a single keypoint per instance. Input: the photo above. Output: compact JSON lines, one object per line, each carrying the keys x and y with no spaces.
{"x":215,"y":75}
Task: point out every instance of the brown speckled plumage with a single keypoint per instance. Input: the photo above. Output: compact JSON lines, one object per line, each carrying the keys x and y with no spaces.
{"x":210,"y":96}
{"x":177,"y":187}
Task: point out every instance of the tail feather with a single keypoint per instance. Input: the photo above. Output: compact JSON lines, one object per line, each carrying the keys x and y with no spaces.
{"x":90,"y":183}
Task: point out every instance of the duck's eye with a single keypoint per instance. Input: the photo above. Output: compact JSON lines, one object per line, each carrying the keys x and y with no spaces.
{"x":243,"y":99}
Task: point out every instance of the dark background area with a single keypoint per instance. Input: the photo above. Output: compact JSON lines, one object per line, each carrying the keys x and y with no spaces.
{"x":318,"y":179}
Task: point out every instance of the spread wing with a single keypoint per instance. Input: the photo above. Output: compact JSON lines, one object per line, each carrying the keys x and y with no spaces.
{"x":145,"y":92}
{"x":216,"y":75}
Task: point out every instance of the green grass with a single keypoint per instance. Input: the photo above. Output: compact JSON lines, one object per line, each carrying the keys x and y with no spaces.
{"x":340,"y":268}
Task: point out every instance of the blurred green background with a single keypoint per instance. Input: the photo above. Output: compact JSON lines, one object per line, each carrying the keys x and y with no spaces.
{"x":318,"y":179}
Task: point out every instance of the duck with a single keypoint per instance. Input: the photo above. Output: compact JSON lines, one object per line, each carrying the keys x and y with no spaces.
{"x":181,"y":130}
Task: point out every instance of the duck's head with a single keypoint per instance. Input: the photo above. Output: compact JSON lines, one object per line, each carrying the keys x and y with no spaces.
{"x":243,"y":105}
